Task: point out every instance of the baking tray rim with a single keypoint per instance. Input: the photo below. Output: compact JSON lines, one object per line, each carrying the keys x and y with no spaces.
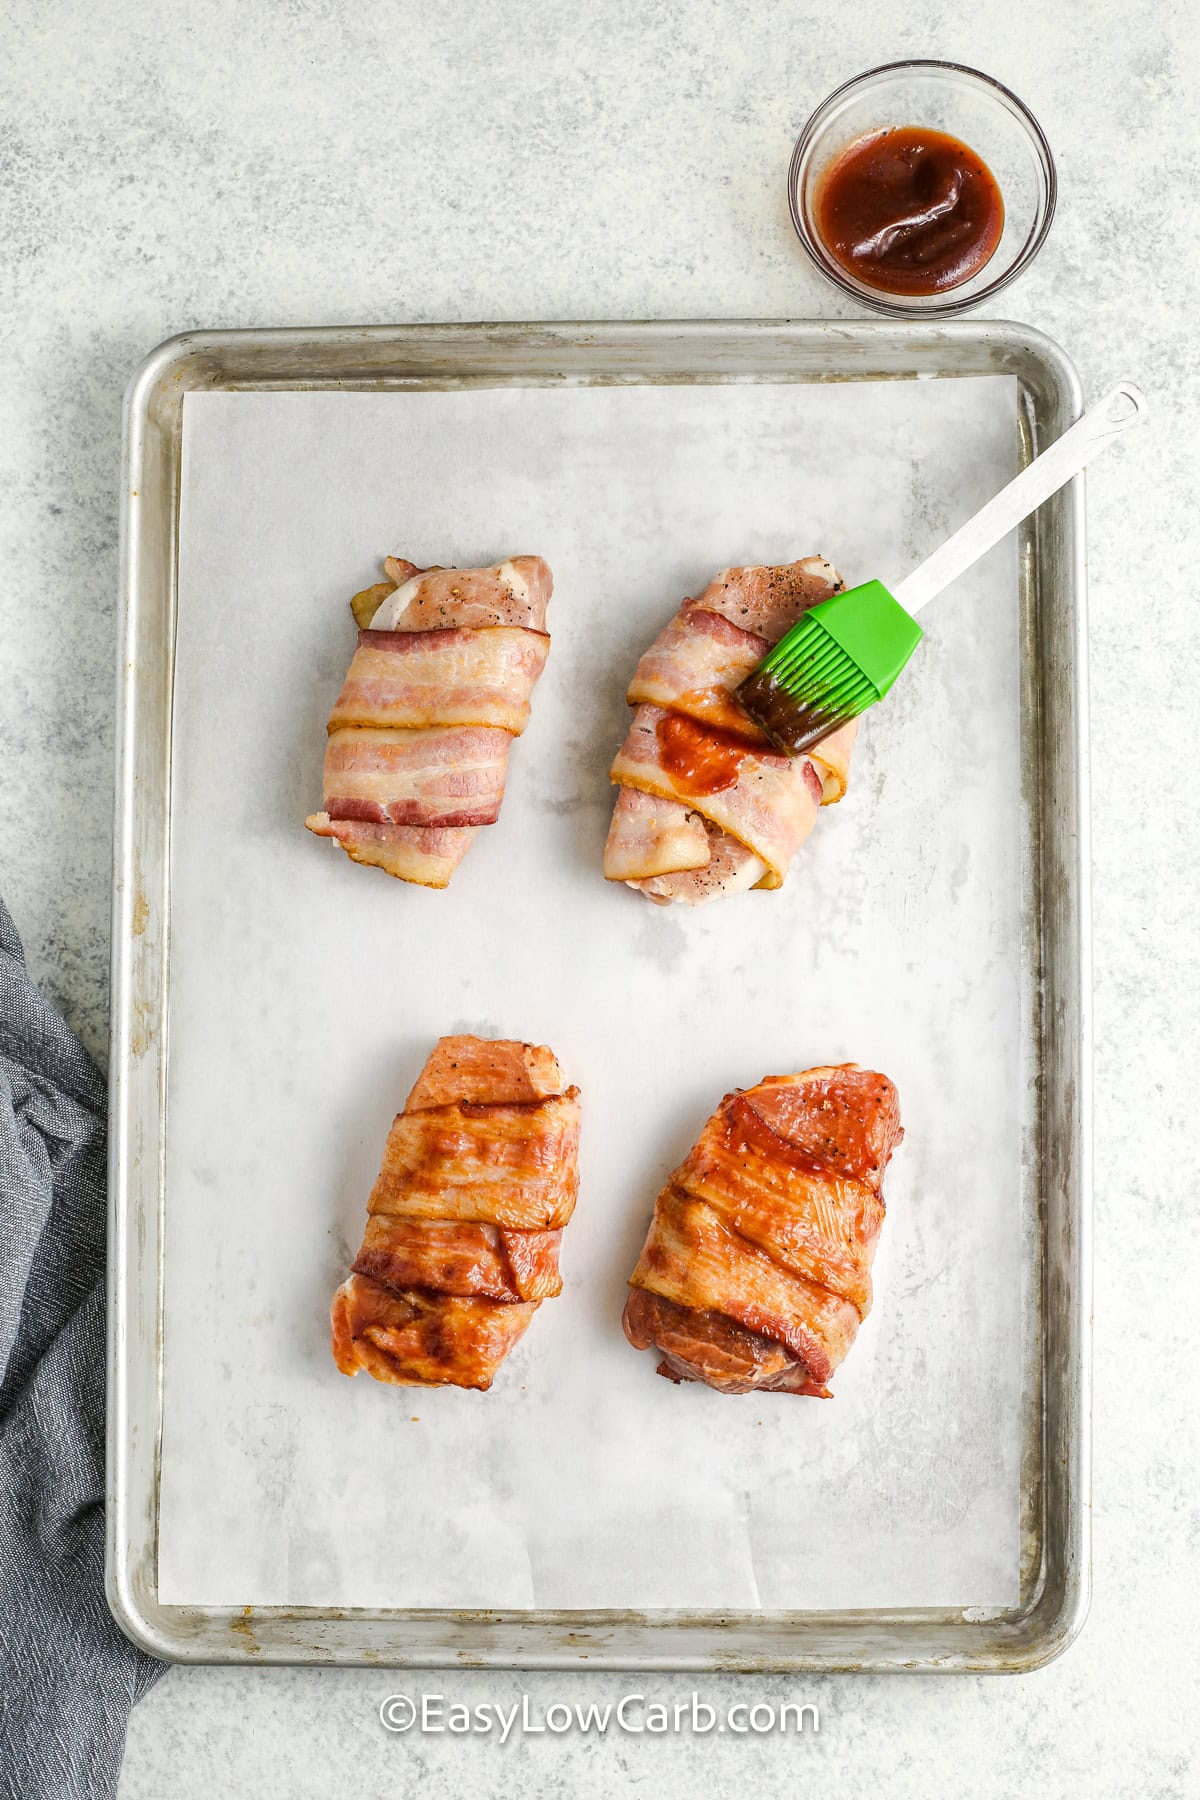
{"x":921,"y":1640}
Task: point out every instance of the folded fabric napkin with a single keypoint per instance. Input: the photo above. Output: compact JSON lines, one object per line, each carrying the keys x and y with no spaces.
{"x":68,"y":1677}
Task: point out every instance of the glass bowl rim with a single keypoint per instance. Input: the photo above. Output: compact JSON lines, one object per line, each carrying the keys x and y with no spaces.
{"x":879,"y":300}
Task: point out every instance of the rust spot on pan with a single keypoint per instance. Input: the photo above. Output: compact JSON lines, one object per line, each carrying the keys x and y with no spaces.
{"x":245,"y":1630}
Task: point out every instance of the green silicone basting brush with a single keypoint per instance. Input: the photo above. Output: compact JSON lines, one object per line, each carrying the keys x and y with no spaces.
{"x":845,"y":653}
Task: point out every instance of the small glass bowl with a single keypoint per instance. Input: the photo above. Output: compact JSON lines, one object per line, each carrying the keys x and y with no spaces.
{"x":946,"y":97}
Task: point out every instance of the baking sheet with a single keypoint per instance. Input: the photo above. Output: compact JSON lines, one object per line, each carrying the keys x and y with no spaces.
{"x":306,"y":992}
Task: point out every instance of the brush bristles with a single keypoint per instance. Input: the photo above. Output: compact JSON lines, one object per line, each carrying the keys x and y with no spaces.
{"x":806,"y":688}
{"x":813,"y":670}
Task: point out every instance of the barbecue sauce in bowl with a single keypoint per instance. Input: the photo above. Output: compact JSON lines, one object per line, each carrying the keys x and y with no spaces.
{"x":910,"y":211}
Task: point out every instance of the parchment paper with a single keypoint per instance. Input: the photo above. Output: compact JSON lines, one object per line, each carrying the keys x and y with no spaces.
{"x":306,"y":992}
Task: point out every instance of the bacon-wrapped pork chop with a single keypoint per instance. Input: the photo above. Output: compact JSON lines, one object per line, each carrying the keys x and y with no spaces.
{"x":756,"y":1270}
{"x":479,"y":1178}
{"x":437,"y":689}
{"x":705,"y":804}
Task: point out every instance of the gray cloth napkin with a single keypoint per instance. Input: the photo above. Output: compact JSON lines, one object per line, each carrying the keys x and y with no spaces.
{"x":68,"y":1677}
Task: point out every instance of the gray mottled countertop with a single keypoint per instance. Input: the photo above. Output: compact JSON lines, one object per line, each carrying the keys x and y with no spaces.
{"x":302,"y":163}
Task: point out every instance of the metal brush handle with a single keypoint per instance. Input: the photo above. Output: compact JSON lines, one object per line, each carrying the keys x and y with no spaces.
{"x":1044,"y":476}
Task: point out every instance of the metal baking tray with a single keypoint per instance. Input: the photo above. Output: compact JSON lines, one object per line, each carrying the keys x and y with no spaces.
{"x":1056,"y":1158}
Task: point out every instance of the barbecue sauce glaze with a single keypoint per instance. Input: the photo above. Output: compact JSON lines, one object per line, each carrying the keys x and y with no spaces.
{"x":910,"y":211}
{"x":704,"y":759}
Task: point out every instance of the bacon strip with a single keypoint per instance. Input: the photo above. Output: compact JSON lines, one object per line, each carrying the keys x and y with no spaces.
{"x":832,"y":760}
{"x":734,"y":1360}
{"x":758,"y":1258}
{"x":412,"y":680}
{"x":430,"y":778}
{"x":695,"y":1259}
{"x":411,"y":853}
{"x":416,"y":1339}
{"x":770,"y":806}
{"x":478,"y":1070}
{"x":651,"y":836}
{"x":754,"y":821}
{"x":693,"y":666}
{"x":455,"y":1257}
{"x":438,"y":687}
{"x":818,"y":1224}
{"x":461,"y":1245}
{"x":731,"y":869}
{"x":511,"y":1164}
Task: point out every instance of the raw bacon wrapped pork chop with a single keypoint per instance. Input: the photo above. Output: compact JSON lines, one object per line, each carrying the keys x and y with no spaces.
{"x":706,"y":806}
{"x":756,"y":1270}
{"x":479,"y":1177}
{"x":437,"y":689}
